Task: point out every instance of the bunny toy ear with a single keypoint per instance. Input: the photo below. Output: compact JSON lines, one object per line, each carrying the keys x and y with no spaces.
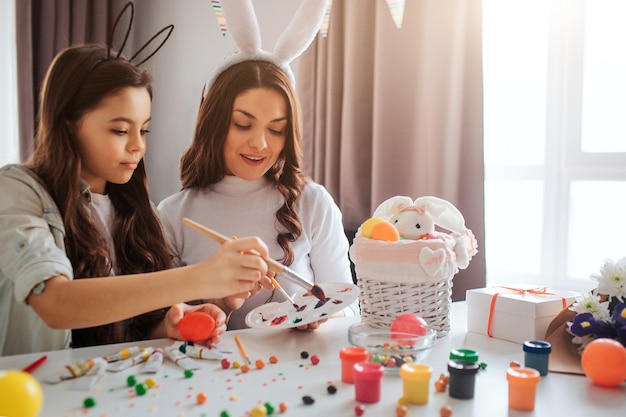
{"x":389,"y":207}
{"x":244,"y":29}
{"x":444,"y":213}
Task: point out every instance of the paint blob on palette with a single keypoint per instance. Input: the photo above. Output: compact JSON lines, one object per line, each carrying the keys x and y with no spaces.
{"x":284,"y":315}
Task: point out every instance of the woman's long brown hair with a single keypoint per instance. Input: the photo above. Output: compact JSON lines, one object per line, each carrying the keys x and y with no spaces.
{"x":202,"y":165}
{"x":77,"y":81}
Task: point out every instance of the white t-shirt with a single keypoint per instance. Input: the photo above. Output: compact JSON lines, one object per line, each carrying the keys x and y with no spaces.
{"x":236,"y":207}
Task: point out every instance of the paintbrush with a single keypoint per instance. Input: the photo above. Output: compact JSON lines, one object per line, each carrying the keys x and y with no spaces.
{"x":282,"y":290}
{"x":272,"y":265}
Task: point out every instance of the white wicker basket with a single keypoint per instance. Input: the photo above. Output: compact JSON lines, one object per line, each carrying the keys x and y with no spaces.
{"x":389,"y":287}
{"x":384,"y":300}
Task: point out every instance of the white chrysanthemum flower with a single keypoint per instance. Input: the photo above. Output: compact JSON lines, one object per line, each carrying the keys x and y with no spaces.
{"x":612,"y":279}
{"x":590,"y":303}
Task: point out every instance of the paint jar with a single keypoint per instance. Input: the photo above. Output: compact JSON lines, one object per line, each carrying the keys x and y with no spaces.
{"x":462,"y":378}
{"x":367,"y":381}
{"x":537,"y":355}
{"x":349,"y":356}
{"x":466,"y":355}
{"x":522,"y":387}
{"x":415,"y":382}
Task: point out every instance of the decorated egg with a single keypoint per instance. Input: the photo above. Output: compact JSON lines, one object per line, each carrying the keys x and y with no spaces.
{"x":604,"y":362}
{"x":409,"y":323}
{"x":379,"y":229}
{"x":196,"y":326}
{"x":22,"y":395}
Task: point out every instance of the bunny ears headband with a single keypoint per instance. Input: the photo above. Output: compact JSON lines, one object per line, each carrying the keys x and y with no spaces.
{"x":131,"y":8}
{"x":244,"y":30}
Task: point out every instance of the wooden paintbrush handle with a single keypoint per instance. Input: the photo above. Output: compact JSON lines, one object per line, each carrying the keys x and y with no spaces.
{"x":272,"y":265}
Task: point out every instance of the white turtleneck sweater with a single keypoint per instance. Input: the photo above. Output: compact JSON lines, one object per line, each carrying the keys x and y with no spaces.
{"x":236,"y":207}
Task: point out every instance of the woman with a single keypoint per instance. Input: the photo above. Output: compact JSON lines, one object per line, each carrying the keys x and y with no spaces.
{"x":82,"y":246}
{"x":242,"y":175}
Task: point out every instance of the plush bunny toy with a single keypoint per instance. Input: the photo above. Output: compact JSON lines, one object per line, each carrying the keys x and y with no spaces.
{"x":417,"y":220}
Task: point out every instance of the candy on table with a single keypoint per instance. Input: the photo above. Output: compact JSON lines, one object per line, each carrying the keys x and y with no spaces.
{"x":445,"y":411}
{"x":315,"y":359}
{"x":225,"y":363}
{"x":201,"y":398}
{"x":260,"y":364}
{"x":89,"y":402}
{"x":273,"y":359}
{"x":402,"y":410}
{"x":359,"y":410}
{"x":308,"y":400}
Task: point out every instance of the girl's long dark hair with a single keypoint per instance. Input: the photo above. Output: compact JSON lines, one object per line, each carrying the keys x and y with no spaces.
{"x":77,"y":81}
{"x":202,"y":165}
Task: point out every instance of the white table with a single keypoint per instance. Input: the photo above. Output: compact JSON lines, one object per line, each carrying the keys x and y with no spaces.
{"x":292,"y":378}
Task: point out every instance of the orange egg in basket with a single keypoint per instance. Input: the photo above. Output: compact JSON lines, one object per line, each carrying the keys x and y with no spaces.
{"x":604,"y":362}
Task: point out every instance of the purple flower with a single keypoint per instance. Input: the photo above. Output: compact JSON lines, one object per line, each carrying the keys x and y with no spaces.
{"x":585,"y":324}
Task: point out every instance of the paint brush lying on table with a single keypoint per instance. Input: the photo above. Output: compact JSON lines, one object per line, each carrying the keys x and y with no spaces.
{"x":272,"y":265}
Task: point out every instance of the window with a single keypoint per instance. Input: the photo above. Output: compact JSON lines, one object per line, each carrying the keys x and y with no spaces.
{"x":9,"y":148}
{"x":555,"y":139}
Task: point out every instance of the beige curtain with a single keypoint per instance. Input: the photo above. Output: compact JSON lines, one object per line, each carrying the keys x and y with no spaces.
{"x":44,"y":28}
{"x":391,"y":111}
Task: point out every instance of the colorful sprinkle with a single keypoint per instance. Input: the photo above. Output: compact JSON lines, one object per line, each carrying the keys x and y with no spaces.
{"x":201,"y":398}
{"x":258,"y":411}
{"x":224,"y":414}
{"x":402,"y":411}
{"x":141,"y":389}
{"x":188,"y":373}
{"x":445,"y":411}
{"x":151,"y":382}
{"x":270,"y":408}
{"x":315,"y":359}
{"x":131,"y":380}
{"x":89,"y":402}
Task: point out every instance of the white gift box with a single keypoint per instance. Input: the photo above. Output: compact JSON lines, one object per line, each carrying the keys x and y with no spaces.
{"x":520,"y":312}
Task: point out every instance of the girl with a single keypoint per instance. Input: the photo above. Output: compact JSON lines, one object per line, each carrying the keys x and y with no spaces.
{"x":242,"y":175}
{"x":82,"y":246}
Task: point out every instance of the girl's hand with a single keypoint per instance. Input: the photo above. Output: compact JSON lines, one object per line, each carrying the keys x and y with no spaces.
{"x":177,"y":311}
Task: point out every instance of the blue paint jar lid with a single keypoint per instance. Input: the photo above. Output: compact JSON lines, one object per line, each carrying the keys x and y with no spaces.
{"x":537,"y":346}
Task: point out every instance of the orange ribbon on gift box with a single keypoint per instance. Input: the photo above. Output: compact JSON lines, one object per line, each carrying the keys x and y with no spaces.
{"x":520,"y":291}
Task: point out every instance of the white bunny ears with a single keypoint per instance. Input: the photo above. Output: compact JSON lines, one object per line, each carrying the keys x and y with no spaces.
{"x":244,"y":29}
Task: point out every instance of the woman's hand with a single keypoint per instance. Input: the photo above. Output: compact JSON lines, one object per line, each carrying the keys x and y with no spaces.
{"x":177,"y":311}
